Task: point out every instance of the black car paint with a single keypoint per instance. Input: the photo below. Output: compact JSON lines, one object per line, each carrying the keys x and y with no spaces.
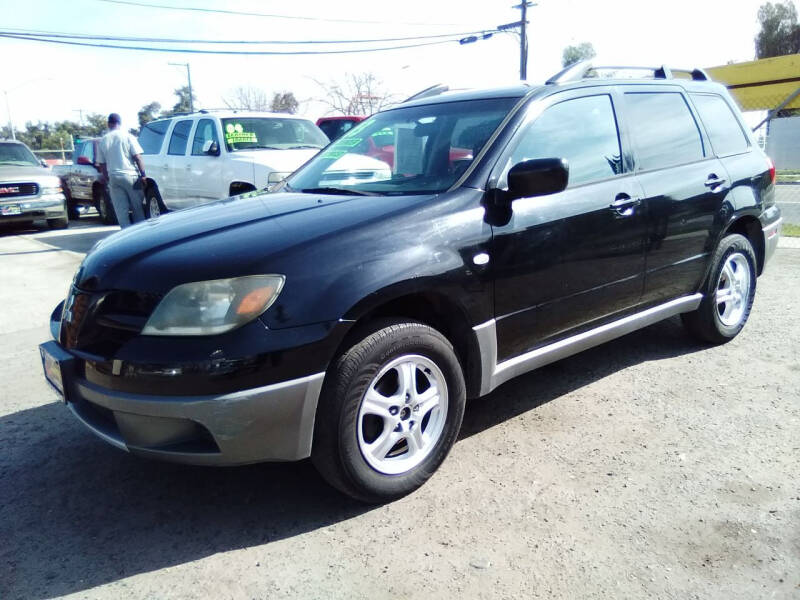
{"x":345,"y":257}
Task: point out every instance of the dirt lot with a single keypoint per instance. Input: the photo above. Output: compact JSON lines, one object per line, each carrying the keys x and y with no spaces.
{"x":651,"y":467}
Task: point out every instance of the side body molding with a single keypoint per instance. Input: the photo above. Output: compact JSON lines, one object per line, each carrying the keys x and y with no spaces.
{"x":494,"y":374}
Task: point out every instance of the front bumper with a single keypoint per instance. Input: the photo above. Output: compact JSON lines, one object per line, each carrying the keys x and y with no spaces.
{"x":48,"y":207}
{"x":270,"y":423}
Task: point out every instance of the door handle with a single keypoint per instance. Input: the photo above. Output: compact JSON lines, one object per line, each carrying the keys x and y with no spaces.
{"x":714,"y":181}
{"x":623,"y":205}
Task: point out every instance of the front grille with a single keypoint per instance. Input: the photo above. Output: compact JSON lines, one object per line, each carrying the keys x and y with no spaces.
{"x":13,"y":190}
{"x":101,"y":322}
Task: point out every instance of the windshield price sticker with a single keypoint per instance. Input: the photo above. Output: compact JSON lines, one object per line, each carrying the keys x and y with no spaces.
{"x":334,"y":154}
{"x":235,"y":134}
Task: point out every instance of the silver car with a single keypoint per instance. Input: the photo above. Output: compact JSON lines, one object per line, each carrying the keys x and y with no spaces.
{"x":28,"y":190}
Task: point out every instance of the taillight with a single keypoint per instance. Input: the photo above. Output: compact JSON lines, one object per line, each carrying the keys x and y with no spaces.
{"x":771,"y":166}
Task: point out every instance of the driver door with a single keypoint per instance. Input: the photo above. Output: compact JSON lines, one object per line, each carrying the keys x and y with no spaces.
{"x":204,"y":170}
{"x":572,"y":260}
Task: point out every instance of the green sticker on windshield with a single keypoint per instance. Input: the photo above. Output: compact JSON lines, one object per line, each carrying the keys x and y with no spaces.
{"x":235,"y":134}
{"x":334,"y":154}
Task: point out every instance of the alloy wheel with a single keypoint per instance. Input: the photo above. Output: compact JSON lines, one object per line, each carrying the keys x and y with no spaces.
{"x":733,"y":290}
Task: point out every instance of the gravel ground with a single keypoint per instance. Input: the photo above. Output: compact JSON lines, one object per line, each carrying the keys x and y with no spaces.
{"x":651,"y":467}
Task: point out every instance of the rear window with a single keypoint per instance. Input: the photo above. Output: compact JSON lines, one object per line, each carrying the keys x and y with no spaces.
{"x":664,"y":130}
{"x":151,"y":137}
{"x":721,"y":124}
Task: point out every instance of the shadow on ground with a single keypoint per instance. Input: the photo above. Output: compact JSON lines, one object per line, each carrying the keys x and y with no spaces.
{"x":76,"y":513}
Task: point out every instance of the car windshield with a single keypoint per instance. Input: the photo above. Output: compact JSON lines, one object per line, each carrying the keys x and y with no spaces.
{"x":414,"y":150}
{"x":273,"y":133}
{"x":17,"y":154}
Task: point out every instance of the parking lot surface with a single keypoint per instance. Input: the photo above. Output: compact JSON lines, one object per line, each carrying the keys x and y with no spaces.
{"x":649,"y":467}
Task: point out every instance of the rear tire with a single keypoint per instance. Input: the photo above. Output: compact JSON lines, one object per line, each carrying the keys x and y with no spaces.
{"x":102,"y":202}
{"x":727,"y":294}
{"x":389,"y":413}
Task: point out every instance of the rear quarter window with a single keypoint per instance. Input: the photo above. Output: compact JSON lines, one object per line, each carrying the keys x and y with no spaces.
{"x":664,"y":130}
{"x":721,"y":124}
{"x":151,"y":137}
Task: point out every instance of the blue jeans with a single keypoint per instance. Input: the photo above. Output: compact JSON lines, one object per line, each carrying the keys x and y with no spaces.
{"x":126,"y":195}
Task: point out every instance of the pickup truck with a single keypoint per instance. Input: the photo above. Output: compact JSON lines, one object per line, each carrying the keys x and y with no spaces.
{"x":82,"y":185}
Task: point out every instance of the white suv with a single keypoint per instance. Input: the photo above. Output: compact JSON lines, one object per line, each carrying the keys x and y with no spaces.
{"x":196,"y":158}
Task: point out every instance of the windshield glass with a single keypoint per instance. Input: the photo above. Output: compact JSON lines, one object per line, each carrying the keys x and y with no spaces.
{"x":415,"y":150}
{"x":274,"y":133}
{"x":17,"y":154}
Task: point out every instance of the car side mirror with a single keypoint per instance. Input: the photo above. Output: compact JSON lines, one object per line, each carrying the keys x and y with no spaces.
{"x":537,"y":177}
{"x":43,"y":162}
{"x":211,"y":148}
{"x":83,"y":160}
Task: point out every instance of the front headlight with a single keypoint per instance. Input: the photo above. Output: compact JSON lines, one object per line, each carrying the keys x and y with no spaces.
{"x":212,"y":307}
{"x":277,"y":177}
{"x":49,"y":191}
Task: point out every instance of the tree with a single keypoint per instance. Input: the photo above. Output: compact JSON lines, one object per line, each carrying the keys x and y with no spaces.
{"x":780,"y":33}
{"x":358,"y":94}
{"x":247,"y":98}
{"x":182,"y":105}
{"x":573,"y":54}
{"x":149,"y":112}
{"x":284,"y":102}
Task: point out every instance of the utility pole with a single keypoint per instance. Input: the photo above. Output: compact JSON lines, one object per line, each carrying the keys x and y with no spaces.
{"x":80,"y":115}
{"x":189,"y":77}
{"x":10,"y":122}
{"x":523,"y":36}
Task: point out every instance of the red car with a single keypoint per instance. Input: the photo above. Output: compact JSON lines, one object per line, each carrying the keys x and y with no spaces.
{"x":336,"y":127}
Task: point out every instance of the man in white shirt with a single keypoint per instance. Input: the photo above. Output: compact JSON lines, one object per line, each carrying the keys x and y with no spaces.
{"x":120,"y":157}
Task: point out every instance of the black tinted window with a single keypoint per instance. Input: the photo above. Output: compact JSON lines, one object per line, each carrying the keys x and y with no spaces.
{"x":664,"y":130}
{"x":152,"y":136}
{"x":180,"y":136}
{"x":583,"y":131}
{"x":206,"y":132}
{"x":721,"y":125}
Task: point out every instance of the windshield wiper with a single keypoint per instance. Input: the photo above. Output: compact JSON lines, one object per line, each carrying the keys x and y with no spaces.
{"x":335,"y":190}
{"x":302,"y":146}
{"x":261,"y":148}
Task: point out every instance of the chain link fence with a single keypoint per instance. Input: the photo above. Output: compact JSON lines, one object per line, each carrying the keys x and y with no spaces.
{"x":778,"y":133}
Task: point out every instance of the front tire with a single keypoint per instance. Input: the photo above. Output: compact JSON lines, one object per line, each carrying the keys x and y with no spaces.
{"x":728,"y":293}
{"x":153,"y":206}
{"x":58,"y":223}
{"x":102,"y":202}
{"x":389,"y":413}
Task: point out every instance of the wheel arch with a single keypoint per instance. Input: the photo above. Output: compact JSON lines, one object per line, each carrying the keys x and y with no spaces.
{"x":749,"y":227}
{"x":240,"y":187}
{"x":433,"y":309}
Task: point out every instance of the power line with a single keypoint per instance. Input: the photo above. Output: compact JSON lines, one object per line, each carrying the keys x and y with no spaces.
{"x":16,"y":36}
{"x":270,"y":15}
{"x":100,"y":37}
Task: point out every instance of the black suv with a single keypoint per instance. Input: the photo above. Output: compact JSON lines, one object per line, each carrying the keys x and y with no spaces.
{"x":347,"y":315}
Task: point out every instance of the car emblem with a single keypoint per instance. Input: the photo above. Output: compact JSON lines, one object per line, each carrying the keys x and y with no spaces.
{"x":12,"y":189}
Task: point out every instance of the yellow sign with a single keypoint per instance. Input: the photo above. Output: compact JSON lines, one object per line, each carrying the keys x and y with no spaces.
{"x":761,"y":84}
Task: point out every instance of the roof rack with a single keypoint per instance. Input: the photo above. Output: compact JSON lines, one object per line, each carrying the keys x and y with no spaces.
{"x":586,"y":70}
{"x":434,"y":90}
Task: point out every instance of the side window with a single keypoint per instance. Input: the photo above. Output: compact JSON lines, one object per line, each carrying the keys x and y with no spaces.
{"x":151,"y":137}
{"x":583,"y":131}
{"x":180,"y":137}
{"x":664,"y":130}
{"x":206,"y":132}
{"x":721,"y":125}
{"x":87,"y":151}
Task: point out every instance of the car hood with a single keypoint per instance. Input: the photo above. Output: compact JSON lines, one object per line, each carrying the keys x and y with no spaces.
{"x":284,"y":161}
{"x":244,"y":235}
{"x":17,"y":173}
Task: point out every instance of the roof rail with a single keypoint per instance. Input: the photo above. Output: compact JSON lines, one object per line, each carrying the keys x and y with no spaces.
{"x":434,"y":90}
{"x":585,"y":70}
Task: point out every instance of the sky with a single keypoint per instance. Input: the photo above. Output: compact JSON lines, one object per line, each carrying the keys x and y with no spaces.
{"x":50,"y":82}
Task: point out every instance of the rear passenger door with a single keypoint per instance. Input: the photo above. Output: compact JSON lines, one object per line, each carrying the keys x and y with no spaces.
{"x":575,"y":259}
{"x":684,"y":188}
